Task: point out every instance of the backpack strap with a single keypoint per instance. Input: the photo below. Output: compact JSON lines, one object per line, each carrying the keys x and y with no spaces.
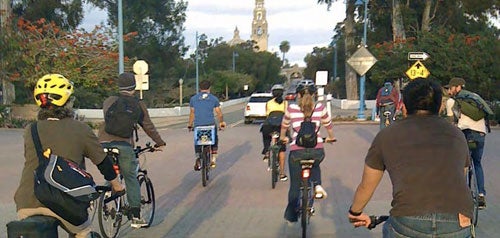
{"x":308,"y":118}
{"x":36,"y":141}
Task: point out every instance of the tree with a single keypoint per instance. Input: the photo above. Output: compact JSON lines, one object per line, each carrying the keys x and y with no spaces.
{"x":284,"y":48}
{"x":33,"y":49}
{"x":65,"y":14}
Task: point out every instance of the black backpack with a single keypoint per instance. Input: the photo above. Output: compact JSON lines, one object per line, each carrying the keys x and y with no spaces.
{"x":307,"y":136}
{"x":122,"y":116}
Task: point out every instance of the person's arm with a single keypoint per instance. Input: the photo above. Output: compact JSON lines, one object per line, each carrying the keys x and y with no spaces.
{"x":326,"y":120}
{"x":191,"y":118}
{"x":369,"y":182}
{"x":150,"y":129}
{"x":220,"y":118}
{"x":285,"y":124}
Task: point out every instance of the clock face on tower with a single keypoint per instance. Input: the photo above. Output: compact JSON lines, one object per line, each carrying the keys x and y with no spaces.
{"x":259,"y":31}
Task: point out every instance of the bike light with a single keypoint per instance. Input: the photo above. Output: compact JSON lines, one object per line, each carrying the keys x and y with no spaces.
{"x":306,"y":173}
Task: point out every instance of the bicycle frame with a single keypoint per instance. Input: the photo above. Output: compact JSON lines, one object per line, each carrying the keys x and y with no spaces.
{"x":306,"y":194}
{"x":204,"y":136}
{"x":273,"y":162}
{"x":387,"y":115}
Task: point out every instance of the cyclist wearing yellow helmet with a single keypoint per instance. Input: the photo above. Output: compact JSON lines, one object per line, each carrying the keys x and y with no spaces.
{"x":66,"y":137}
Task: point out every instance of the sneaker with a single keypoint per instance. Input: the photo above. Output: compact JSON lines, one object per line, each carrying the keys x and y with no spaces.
{"x":481,"y":201}
{"x":213,"y":161}
{"x":197,"y":165}
{"x":319,"y":192}
{"x":312,"y":211}
{"x":283,"y":177}
{"x":138,"y":223}
{"x":266,"y":157}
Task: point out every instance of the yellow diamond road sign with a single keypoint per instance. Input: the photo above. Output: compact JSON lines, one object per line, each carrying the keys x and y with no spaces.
{"x":417,"y":70}
{"x":361,"y":61}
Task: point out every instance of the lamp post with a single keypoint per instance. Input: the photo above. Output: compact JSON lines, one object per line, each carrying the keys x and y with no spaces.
{"x":196,"y":57}
{"x":120,"y":38}
{"x":180,"y":91}
{"x":235,"y":54}
{"x":362,"y":79}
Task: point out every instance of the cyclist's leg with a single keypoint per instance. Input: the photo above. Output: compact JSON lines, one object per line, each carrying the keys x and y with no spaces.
{"x":318,"y":155}
{"x":129,"y":167}
{"x":477,"y":155}
{"x":266,"y":140}
{"x":80,"y":231}
{"x":215,"y":148}
{"x":392,"y":109}
{"x":293,"y":192}
{"x":382,"y":117}
{"x":197,"y":152}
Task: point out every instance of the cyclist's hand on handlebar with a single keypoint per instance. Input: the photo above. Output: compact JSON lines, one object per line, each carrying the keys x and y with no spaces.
{"x":222,"y":125}
{"x":190,"y":128}
{"x":284,"y":139}
{"x":361,"y":220}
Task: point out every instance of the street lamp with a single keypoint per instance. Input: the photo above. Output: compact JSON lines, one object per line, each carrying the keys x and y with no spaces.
{"x":197,"y":56}
{"x":362,"y":79}
{"x":180,"y":91}
{"x":235,"y":54}
{"x":120,"y":38}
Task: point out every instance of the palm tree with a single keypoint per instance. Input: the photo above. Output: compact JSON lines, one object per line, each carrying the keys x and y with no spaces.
{"x":284,"y":48}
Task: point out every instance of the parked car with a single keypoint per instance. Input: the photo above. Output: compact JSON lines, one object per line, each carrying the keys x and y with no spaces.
{"x":256,"y":107}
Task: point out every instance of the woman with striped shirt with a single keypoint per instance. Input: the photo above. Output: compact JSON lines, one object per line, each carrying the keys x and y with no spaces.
{"x":294,"y":115}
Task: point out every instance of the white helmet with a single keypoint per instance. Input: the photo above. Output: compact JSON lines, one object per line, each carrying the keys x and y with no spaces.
{"x":277,"y":87}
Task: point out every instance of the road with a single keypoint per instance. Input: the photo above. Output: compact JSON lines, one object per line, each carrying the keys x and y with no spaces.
{"x":239,"y":201}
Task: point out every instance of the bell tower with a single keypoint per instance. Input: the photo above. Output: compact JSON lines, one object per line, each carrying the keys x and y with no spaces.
{"x":259,"y":26}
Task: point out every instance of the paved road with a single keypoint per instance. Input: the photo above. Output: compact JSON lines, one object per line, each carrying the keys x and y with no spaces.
{"x":239,"y":201}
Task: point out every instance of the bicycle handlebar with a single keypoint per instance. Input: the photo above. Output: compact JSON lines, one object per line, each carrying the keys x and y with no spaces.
{"x":149,"y":148}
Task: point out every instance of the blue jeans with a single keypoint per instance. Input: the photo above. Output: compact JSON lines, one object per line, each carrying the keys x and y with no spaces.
{"x":129,"y":166}
{"x":428,"y":226}
{"x":295,"y":177}
{"x":477,"y":155}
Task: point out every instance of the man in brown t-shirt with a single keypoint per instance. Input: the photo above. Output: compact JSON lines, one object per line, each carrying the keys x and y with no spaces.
{"x":425,"y":157}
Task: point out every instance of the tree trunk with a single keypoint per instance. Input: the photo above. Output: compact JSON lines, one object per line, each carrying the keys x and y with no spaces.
{"x":398,"y":30}
{"x":351,"y":84}
{"x":426,"y":16}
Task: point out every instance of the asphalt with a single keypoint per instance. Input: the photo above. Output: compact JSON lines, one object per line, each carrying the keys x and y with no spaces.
{"x":339,"y":116}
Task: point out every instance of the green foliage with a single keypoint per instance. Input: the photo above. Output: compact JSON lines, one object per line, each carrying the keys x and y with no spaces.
{"x":65,"y":14}
{"x":33,"y":49}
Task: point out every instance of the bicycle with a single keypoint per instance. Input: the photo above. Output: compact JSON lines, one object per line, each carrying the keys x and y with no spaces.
{"x":307,"y":195}
{"x":204,"y":136}
{"x":113,"y":207}
{"x":273,"y":162}
{"x":387,"y":121}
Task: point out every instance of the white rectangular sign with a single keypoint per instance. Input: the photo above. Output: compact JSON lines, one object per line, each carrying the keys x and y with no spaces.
{"x":321,"y":78}
{"x":141,"y":82}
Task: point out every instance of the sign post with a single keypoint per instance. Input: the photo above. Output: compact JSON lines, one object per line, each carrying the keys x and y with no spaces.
{"x":141,"y":79}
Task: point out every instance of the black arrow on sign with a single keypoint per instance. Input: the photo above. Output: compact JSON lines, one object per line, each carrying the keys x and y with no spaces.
{"x":418,"y":65}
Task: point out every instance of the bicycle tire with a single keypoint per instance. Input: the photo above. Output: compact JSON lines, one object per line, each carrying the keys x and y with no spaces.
{"x":274,"y":170}
{"x":109,"y":218}
{"x":205,"y":163}
{"x":304,"y":208}
{"x":148,"y":203}
{"x":472,"y":183}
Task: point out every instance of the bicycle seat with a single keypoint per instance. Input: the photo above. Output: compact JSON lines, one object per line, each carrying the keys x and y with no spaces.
{"x":113,"y":150}
{"x":306,"y":162}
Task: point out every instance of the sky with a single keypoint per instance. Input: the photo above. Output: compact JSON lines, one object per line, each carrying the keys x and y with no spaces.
{"x":303,"y":23}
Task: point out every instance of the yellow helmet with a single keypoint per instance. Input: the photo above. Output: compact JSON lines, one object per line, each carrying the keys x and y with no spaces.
{"x":52,"y":89}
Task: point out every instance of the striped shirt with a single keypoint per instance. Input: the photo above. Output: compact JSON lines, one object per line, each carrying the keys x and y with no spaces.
{"x":294,"y":117}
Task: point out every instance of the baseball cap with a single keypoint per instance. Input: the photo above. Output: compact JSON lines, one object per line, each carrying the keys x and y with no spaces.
{"x":455,"y":82}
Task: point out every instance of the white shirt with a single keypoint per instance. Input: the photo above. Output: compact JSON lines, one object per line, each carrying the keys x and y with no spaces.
{"x":465,"y":122}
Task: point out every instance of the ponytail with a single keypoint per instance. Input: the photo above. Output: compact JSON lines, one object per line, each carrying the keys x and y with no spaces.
{"x":306,"y":104}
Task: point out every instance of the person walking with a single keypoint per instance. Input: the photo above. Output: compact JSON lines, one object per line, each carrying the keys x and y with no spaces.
{"x":202,"y":106}
{"x":425,"y":157}
{"x":111,"y":135}
{"x":306,"y":106}
{"x":473,"y":124}
{"x":73,"y":140}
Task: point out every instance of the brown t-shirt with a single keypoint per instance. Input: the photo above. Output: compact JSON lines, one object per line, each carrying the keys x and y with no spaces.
{"x":425,"y":157}
{"x":71,"y":139}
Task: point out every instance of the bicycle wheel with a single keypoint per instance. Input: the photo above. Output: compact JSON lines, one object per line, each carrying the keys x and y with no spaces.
{"x":147,"y":199}
{"x":109,"y":216}
{"x":472,"y":182}
{"x":304,"y":207}
{"x":274,"y":169}
{"x":205,"y":163}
